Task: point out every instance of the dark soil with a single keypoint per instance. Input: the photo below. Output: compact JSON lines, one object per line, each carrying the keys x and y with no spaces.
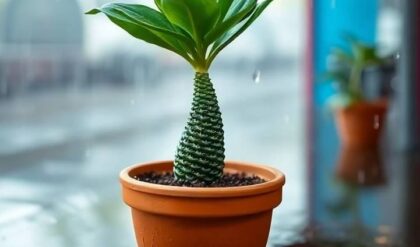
{"x":227,"y":180}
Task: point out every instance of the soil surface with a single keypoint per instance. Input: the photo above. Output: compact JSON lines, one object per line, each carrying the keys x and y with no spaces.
{"x":227,"y":180}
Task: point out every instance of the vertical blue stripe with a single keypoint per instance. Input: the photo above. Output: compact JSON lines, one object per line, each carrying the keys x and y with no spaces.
{"x":333,"y":19}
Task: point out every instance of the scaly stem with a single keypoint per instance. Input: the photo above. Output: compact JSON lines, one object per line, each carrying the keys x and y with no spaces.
{"x":200,"y":154}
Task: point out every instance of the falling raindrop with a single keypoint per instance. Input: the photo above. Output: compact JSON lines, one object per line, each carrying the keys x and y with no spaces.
{"x":376,"y":122}
{"x":256,"y":76}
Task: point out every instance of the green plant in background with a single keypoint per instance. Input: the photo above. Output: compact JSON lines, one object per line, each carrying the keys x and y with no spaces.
{"x":197,"y":30}
{"x":346,"y":70}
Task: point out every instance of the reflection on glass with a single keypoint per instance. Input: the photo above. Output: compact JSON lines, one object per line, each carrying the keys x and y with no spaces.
{"x":361,"y":166}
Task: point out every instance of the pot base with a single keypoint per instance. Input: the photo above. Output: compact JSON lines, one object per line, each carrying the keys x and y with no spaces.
{"x":167,"y":231}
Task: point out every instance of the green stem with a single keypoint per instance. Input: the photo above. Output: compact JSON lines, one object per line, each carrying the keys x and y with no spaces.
{"x":201,"y":59}
{"x":200,"y":153}
{"x":355,"y":82}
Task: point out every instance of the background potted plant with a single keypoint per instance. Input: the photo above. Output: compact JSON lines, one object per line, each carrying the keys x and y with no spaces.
{"x":191,"y":201}
{"x":359,"y":118}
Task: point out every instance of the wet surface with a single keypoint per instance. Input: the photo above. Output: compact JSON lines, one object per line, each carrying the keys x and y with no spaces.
{"x":361,"y":195}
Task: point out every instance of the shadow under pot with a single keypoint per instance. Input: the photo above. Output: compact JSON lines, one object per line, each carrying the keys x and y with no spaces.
{"x":176,"y":216}
{"x":361,"y":123}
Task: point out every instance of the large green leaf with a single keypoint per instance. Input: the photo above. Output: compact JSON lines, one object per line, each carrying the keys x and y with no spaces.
{"x":239,"y":10}
{"x":237,"y":30}
{"x":197,"y":17}
{"x":148,"y":25}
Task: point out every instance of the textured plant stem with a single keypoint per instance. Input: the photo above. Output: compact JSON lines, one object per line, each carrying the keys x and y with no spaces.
{"x":200,"y":154}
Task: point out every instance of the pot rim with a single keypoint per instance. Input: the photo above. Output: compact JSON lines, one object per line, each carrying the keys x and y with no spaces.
{"x":276,"y":180}
{"x":381,"y":104}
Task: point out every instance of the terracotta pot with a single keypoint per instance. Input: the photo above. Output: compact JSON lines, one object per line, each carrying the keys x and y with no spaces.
{"x":361,"y":166}
{"x":170,"y":216}
{"x":360,"y":124}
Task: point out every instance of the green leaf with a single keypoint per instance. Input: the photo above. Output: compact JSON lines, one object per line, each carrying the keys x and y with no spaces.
{"x":224,"y":6}
{"x":237,"y":30}
{"x":196,"y":17}
{"x":364,"y":54}
{"x":339,"y":76}
{"x":239,"y":10}
{"x":148,"y":25}
{"x":148,"y":17}
{"x":93,"y":12}
{"x":240,"y":6}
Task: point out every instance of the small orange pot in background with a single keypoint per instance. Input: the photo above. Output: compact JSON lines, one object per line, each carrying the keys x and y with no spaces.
{"x":361,"y":123}
{"x":171,"y":216}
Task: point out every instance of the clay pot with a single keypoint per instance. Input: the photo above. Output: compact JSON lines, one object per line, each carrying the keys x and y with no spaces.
{"x":361,"y":166}
{"x":361,"y":123}
{"x":170,"y":216}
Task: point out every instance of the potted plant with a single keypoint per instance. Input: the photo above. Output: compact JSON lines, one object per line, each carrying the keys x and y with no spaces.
{"x":359,"y":119}
{"x":193,"y":201}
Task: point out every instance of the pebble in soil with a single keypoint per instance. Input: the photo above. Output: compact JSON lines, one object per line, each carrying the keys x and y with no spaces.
{"x":227,"y":180}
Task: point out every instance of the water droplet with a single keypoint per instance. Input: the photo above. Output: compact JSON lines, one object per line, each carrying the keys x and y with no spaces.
{"x":397,"y":56}
{"x":376,"y":123}
{"x":132,"y":102}
{"x":256,"y":76}
{"x":361,"y":176}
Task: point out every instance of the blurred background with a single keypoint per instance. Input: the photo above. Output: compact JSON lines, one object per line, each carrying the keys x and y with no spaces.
{"x":80,"y":100}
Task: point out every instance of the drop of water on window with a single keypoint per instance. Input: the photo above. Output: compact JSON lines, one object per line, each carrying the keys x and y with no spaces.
{"x":256,"y":76}
{"x":376,"y":123}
